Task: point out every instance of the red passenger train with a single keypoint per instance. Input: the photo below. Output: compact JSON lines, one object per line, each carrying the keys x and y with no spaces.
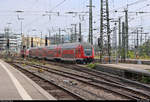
{"x":79,"y":52}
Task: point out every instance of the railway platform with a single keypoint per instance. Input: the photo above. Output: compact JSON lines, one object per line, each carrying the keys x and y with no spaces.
{"x":137,"y":61}
{"x":121,"y":69}
{"x":16,"y":86}
{"x":131,"y":61}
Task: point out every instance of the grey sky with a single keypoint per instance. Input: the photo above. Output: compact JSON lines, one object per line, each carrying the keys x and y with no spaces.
{"x":34,"y":9}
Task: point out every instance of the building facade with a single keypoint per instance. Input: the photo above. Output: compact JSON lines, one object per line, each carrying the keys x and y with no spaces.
{"x":37,"y":42}
{"x":14,"y":41}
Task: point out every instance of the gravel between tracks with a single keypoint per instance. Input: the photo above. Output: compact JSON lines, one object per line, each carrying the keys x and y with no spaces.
{"x":85,"y":87}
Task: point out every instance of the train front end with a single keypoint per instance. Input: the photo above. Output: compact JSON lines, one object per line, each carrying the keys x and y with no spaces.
{"x":88,"y":53}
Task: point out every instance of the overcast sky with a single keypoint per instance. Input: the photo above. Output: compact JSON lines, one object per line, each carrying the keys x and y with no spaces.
{"x":34,"y":9}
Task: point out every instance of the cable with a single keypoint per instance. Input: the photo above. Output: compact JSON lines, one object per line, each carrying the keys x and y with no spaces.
{"x":58,"y":5}
{"x":55,"y":6}
{"x":136,"y":2}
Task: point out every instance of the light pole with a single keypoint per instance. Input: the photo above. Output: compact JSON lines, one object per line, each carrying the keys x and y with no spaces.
{"x":41,"y":39}
{"x":32,"y":39}
{"x":20,"y":19}
{"x":49,"y":15}
{"x":7,"y":40}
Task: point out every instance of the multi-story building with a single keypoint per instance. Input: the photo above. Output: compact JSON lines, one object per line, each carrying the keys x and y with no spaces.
{"x":14,"y":41}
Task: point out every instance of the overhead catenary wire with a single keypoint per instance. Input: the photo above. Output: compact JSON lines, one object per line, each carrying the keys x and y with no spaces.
{"x":58,"y":5}
{"x":130,"y":4}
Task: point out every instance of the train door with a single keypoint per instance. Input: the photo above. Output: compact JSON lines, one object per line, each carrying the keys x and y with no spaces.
{"x":76,"y":53}
{"x":44,"y":52}
{"x":33,"y":53}
{"x":39,"y":53}
{"x":58,"y":52}
{"x":55,"y":52}
{"x":79,"y":52}
{"x":36,"y":53}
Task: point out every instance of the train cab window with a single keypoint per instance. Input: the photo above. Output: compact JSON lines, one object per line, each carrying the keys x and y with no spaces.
{"x":88,"y":50}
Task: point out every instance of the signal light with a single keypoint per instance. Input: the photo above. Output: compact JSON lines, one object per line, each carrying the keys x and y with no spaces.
{"x":24,"y":47}
{"x":79,"y":39}
{"x":46,"y":41}
{"x":7,"y":43}
{"x":32,"y":42}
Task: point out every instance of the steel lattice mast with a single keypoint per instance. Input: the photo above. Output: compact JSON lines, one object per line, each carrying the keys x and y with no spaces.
{"x":90,"y":22}
{"x":104,"y":41}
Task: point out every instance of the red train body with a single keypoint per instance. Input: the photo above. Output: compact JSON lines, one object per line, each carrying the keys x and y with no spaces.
{"x":79,"y":52}
{"x":24,"y":53}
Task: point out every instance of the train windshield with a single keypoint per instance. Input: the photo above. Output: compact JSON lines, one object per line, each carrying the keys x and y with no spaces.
{"x":88,"y":52}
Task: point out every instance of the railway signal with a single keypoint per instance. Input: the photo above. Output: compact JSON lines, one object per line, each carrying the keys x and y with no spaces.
{"x":32,"y":42}
{"x":8,"y":43}
{"x":46,"y":41}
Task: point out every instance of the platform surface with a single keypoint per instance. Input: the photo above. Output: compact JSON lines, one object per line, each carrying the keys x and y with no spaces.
{"x":132,"y":67}
{"x":16,"y":86}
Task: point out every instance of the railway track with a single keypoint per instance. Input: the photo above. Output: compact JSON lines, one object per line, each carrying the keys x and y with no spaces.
{"x":106,"y":79}
{"x":88,"y":95}
{"x":131,"y":85}
{"x":106,"y":76}
{"x":60,"y":93}
{"x":98,"y":81}
{"x":113,"y":87}
{"x":109,"y":77}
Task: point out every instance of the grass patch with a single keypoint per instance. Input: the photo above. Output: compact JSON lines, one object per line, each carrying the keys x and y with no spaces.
{"x":35,"y":61}
{"x":92,"y":66}
{"x":23,"y":64}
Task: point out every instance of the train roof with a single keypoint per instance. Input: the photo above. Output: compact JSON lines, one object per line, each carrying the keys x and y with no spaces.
{"x":66,"y":45}
{"x":51,"y":46}
{"x":35,"y":48}
{"x":74,"y":45}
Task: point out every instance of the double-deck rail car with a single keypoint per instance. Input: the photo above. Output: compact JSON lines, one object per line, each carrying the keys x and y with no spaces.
{"x":51,"y":52}
{"x":33,"y":52}
{"x":24,"y":53}
{"x":79,"y":52}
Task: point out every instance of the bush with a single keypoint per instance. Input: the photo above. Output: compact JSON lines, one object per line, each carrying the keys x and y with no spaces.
{"x":131,"y":54}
